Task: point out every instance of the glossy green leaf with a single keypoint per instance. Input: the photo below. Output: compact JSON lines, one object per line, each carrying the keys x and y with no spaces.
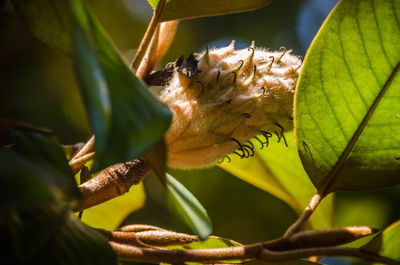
{"x":347,"y":101}
{"x":277,"y":169}
{"x":35,"y":171}
{"x":126,"y":118}
{"x":184,"y":9}
{"x":48,"y":20}
{"x":386,"y":244}
{"x":50,"y":234}
{"x":187,"y":208}
{"x":110,"y":214}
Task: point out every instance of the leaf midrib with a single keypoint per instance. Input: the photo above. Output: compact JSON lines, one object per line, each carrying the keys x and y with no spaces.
{"x":349,"y":148}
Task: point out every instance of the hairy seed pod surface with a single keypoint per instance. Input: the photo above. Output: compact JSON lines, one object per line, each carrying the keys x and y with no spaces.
{"x":221,"y":98}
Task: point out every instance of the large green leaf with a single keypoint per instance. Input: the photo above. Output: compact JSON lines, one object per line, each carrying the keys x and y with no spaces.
{"x":48,"y":20}
{"x":187,"y":208}
{"x":125,"y":117}
{"x":35,"y":171}
{"x":110,"y":214}
{"x":347,"y":101}
{"x":50,"y":234}
{"x":184,"y":9}
{"x":386,"y":244}
{"x":278,"y":170}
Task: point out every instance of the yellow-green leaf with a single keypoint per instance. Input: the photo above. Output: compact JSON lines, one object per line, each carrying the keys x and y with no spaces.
{"x":386,"y":244}
{"x":277,"y":169}
{"x":110,"y":214}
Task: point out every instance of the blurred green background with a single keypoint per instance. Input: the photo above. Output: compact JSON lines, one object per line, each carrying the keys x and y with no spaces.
{"x":37,"y":85}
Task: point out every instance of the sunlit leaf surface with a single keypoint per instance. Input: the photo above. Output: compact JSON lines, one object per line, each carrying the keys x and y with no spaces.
{"x":347,"y":101}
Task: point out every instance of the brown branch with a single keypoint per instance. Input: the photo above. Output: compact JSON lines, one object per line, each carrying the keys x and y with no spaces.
{"x":179,"y":256}
{"x":149,"y":238}
{"x":151,"y":28}
{"x":82,"y":156}
{"x":132,"y":246}
{"x":309,"y":210}
{"x":256,"y":251}
{"x":158,"y":47}
{"x":112,"y":182}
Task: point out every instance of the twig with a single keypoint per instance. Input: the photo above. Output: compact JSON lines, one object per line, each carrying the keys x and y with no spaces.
{"x":78,"y":163}
{"x":179,"y":256}
{"x":248,"y":252}
{"x":151,"y":28}
{"x":158,"y":47}
{"x":312,"y":205}
{"x":276,"y":256}
{"x":86,"y":149}
{"x":112,"y":182}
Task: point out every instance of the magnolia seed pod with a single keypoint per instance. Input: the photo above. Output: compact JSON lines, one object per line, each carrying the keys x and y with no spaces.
{"x":221,"y":98}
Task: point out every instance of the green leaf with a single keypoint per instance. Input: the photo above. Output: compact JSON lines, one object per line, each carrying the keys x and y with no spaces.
{"x":184,"y":9}
{"x":187,"y":208}
{"x":35,"y":171}
{"x":110,"y":214}
{"x":50,"y":234}
{"x":48,"y":20}
{"x":126,"y":118}
{"x":278,"y":170}
{"x":347,"y":101}
{"x":386,"y":244}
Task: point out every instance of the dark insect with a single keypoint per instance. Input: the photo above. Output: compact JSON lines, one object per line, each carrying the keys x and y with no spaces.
{"x":161,"y":77}
{"x":189,"y":67}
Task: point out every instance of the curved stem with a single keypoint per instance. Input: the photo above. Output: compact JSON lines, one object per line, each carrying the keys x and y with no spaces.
{"x":312,"y":205}
{"x":141,"y":52}
{"x":78,"y":163}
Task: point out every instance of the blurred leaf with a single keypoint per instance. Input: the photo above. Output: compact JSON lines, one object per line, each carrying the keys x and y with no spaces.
{"x":347,"y":108}
{"x":278,"y":170}
{"x":110,"y":214}
{"x":386,"y":244}
{"x":126,"y":118}
{"x":157,"y":158}
{"x":369,"y":211}
{"x":52,"y":235}
{"x":184,"y":9}
{"x":187,"y":208}
{"x":35,"y":171}
{"x":48,"y":20}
